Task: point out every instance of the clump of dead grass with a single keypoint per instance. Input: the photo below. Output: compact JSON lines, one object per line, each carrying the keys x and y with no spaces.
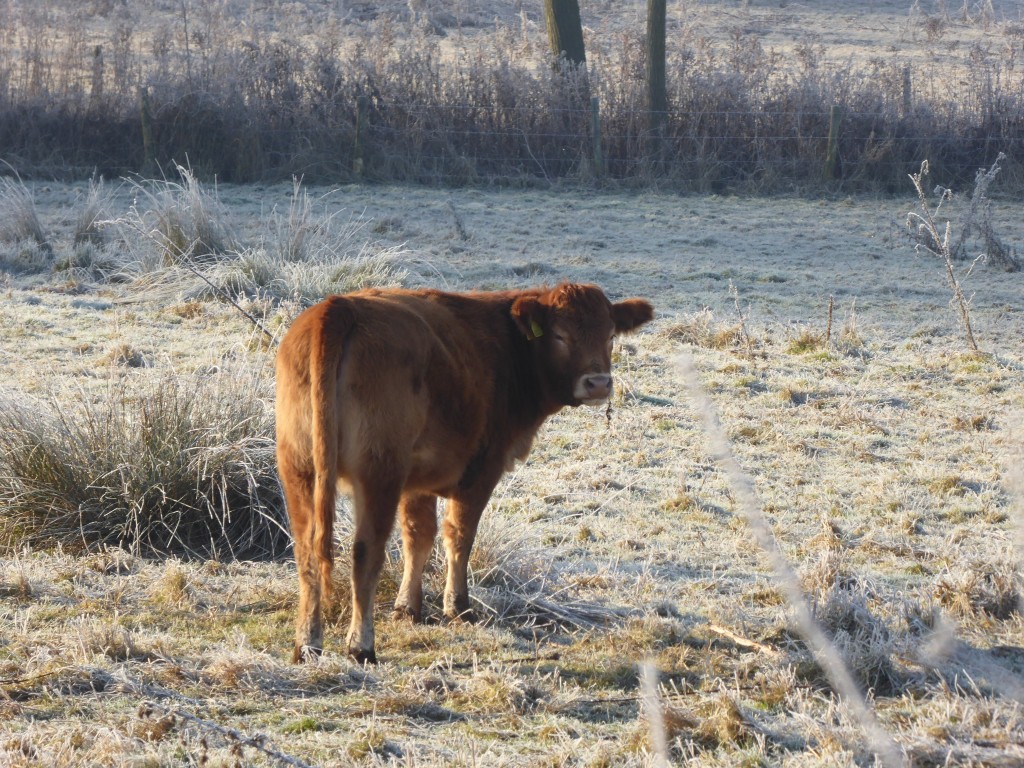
{"x":92,"y":212}
{"x":19,"y":219}
{"x":105,"y":638}
{"x":91,"y":260}
{"x":181,"y":222}
{"x":163,"y":465}
{"x":805,"y":341}
{"x":973,"y":590}
{"x":703,"y":330}
{"x":515,"y":582}
{"x":260,"y":274}
{"x":124,"y":355}
{"x":841,"y":604}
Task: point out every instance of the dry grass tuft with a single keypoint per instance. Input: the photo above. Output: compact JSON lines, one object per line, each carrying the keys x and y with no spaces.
{"x":164,"y":465}
{"x":182,"y":221}
{"x":124,"y":355}
{"x":19,"y":219}
{"x":516,"y":584}
{"x":806,"y":341}
{"x":24,"y":256}
{"x":105,"y":638}
{"x":262,"y":275}
{"x":702,"y":330}
{"x":490,"y":690}
{"x":841,"y":605}
{"x":14,"y":584}
{"x":973,"y":422}
{"x":722,"y":723}
{"x":93,"y":211}
{"x":976,"y":589}
{"x":369,"y":743}
{"x":172,"y":588}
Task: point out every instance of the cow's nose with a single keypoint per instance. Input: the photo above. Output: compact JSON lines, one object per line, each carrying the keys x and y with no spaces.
{"x":598,"y":386}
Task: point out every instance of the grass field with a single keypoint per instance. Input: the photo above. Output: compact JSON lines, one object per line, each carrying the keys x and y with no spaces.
{"x":146,"y":595}
{"x":882,"y":460}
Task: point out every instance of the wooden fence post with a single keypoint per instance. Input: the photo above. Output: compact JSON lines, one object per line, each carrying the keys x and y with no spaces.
{"x":96,"y":91}
{"x":832,"y":155}
{"x":657,"y":96}
{"x":595,"y":133}
{"x":149,"y":165}
{"x":908,"y":92}
{"x":362,"y":108}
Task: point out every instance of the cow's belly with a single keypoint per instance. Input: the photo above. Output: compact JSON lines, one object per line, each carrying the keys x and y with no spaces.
{"x":436,"y":469}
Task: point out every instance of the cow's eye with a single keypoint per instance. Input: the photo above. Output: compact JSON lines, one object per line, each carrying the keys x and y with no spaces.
{"x":560,"y":338}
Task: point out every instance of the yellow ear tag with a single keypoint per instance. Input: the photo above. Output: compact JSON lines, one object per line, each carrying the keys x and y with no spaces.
{"x":536,"y":330}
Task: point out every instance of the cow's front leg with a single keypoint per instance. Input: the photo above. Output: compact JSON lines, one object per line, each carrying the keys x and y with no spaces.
{"x":418,"y":516}
{"x":375,"y":503}
{"x":460,"y":524}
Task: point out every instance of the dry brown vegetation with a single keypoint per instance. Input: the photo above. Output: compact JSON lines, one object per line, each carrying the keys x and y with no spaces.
{"x":631,"y":616}
{"x":464,"y":93}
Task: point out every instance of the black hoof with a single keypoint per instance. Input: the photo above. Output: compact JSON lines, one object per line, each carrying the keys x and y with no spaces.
{"x":363,"y":657}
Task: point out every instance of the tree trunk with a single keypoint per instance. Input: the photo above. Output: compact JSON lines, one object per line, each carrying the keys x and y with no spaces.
{"x":565,"y":30}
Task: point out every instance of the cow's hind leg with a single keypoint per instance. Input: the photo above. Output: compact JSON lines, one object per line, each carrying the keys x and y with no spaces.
{"x":375,"y":502}
{"x":460,"y":524}
{"x":298,"y":490}
{"x":418,"y":515}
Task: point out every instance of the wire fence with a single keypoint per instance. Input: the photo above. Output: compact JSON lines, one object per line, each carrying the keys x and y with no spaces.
{"x":263,"y":112}
{"x":708,"y":151}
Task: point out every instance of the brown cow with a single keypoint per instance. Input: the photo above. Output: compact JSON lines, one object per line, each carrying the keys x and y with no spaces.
{"x":405,"y":396}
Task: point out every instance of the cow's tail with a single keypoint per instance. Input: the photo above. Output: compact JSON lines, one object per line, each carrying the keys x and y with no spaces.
{"x":325,"y":358}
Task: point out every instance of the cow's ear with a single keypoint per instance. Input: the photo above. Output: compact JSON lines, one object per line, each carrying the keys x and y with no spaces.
{"x":631,"y":314}
{"x":529,"y":316}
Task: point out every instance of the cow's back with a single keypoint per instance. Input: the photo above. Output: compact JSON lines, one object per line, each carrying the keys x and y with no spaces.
{"x":417,"y":376}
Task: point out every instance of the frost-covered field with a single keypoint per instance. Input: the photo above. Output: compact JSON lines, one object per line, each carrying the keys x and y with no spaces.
{"x":881,"y":460}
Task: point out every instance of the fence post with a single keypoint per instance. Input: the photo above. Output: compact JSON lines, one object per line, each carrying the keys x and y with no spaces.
{"x":908,"y":92}
{"x":595,"y":132}
{"x":96,"y":91}
{"x":362,"y":108}
{"x":148,"y":157}
{"x":832,"y":155}
{"x":657,"y":96}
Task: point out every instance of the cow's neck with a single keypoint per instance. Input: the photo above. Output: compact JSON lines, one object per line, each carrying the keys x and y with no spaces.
{"x":530,"y":398}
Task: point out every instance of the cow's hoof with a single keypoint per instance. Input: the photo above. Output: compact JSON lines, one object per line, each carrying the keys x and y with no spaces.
{"x":306,"y":653}
{"x":404,"y":612}
{"x":467,"y":616}
{"x":362,"y":657}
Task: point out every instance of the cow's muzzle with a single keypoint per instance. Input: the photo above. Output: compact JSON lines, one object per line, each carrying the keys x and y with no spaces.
{"x":594,"y":389}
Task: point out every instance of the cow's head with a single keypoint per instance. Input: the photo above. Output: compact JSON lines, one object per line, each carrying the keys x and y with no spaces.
{"x":572,"y":327}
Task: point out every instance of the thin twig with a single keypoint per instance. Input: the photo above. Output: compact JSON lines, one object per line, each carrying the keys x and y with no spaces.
{"x":744,"y":642}
{"x":186,"y":261}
